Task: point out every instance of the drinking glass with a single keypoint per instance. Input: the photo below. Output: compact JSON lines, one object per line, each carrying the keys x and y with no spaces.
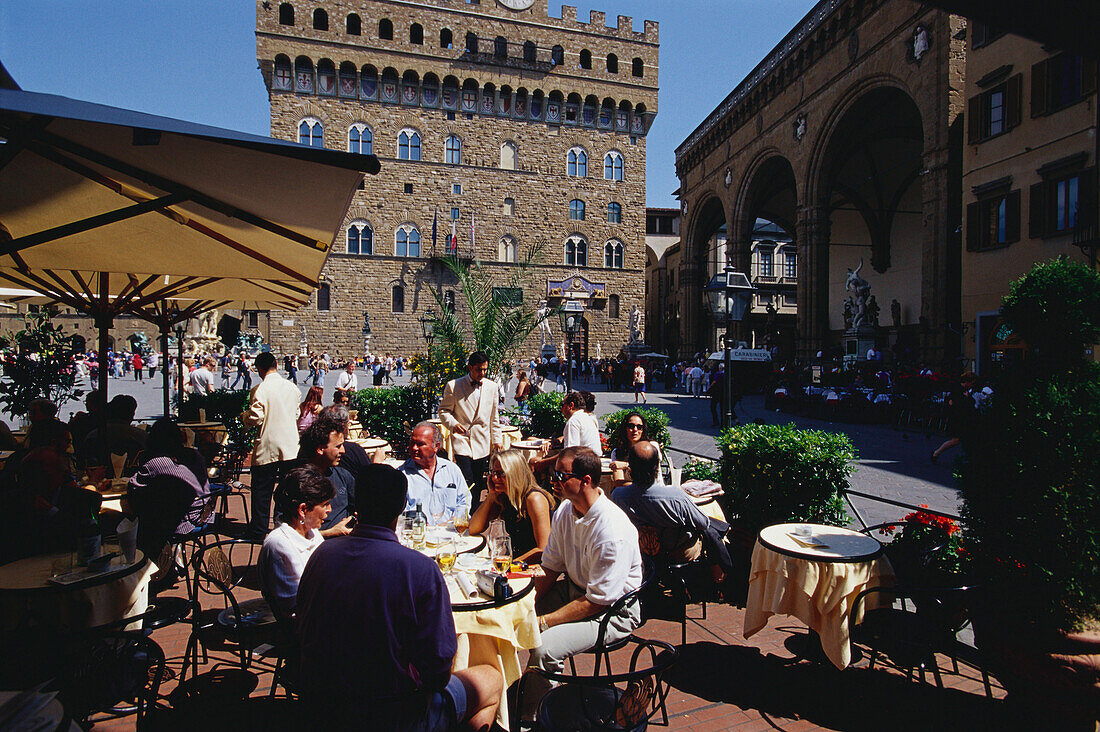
{"x":462,"y":519}
{"x":445,"y":556}
{"x":502,"y":554}
{"x":405,"y":530}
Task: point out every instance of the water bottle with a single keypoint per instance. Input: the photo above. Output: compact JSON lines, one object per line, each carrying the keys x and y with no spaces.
{"x":420,"y":527}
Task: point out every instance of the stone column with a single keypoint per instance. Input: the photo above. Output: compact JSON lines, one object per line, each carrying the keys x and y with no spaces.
{"x":812,"y":240}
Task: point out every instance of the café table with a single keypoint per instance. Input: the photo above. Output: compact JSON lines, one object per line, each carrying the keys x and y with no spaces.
{"x":371,"y":444}
{"x":355,"y":429}
{"x":51,"y":716}
{"x":491,"y":632}
{"x":708,"y":504}
{"x":4,"y":455}
{"x":192,"y":430}
{"x":814,"y":578}
{"x":30,"y":594}
{"x":510,"y":435}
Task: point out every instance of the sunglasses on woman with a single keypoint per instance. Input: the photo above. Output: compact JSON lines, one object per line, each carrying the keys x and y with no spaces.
{"x":634,"y":426}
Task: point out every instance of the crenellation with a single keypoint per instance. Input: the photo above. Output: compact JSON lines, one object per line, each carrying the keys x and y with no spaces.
{"x":569,"y":14}
{"x":597,"y":19}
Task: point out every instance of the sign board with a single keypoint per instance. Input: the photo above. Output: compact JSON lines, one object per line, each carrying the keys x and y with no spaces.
{"x":755,"y":355}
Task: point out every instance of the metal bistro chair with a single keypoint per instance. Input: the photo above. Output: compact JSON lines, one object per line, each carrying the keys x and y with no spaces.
{"x":615,"y":702}
{"x":218,"y":570}
{"x":674,"y":575}
{"x":225,"y":478}
{"x":604,"y":648}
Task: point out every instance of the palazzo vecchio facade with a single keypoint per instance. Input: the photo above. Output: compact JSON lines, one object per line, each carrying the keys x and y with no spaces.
{"x":500,"y":131}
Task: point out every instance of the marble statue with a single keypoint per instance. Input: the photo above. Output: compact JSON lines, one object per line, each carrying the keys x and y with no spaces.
{"x":635,"y":325}
{"x":872,"y":311}
{"x":208,"y":324}
{"x":895,"y":312}
{"x":859,"y":290}
{"x":543,"y":314}
{"x":599,"y":352}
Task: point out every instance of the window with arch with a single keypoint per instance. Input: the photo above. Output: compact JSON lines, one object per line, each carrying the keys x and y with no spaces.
{"x":613,"y":166}
{"x":500,"y":47}
{"x":613,"y":254}
{"x":286,"y":14}
{"x":320,"y":20}
{"x":408,"y":145}
{"x":397,"y":299}
{"x":614,"y":213}
{"x":577,"y":163}
{"x":509,"y":249}
{"x":360,"y":238}
{"x":637,"y":68}
{"x":407,"y":241}
{"x":446,"y":38}
{"x":354,"y":25}
{"x":576,"y":251}
{"x":416,"y":34}
{"x":557,"y":56}
{"x":586,"y":59}
{"x":360,"y":139}
{"x":612,"y":63}
{"x":576,"y":210}
{"x":509,"y":153}
{"x":324,"y":297}
{"x":284,"y":74}
{"x":530,"y":52}
{"x":471,"y":42}
{"x":385,"y":29}
{"x":613,"y":306}
{"x":303,"y":75}
{"x":509,"y":207}
{"x":452,"y":150}
{"x":311,"y":132}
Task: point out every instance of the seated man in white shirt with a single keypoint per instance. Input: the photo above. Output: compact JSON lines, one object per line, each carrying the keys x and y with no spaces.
{"x":434,"y":481}
{"x":347,"y":381}
{"x":581,"y":430}
{"x":595,"y":545}
{"x":303,"y":501}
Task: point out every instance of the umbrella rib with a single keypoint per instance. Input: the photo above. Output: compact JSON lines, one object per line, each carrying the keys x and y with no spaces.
{"x":134,"y":291}
{"x":83,"y":284}
{"x":43,"y":287}
{"x":166,"y":184}
{"x":92,"y":222}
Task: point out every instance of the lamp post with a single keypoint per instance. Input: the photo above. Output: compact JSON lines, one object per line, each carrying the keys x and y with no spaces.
{"x":568,"y":329}
{"x":179,"y":365}
{"x":427,"y":329}
{"x":729,"y":294}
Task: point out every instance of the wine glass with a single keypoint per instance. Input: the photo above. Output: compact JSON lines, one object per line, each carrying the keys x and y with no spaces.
{"x":462,"y":519}
{"x":405,"y":530}
{"x":437,"y":507}
{"x":445,"y":555}
{"x":502,"y":554}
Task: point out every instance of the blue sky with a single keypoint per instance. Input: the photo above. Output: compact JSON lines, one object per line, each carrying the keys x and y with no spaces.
{"x":197,"y":60}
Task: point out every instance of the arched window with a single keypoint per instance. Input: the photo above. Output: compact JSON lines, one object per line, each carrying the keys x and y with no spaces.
{"x":311,"y":132}
{"x":326,"y":77}
{"x":284,"y":74}
{"x":557,"y":56}
{"x":613,"y":166}
{"x":613,"y":306}
{"x":637,"y":68}
{"x":508,"y":249}
{"x":446,"y":38}
{"x":397,"y":299}
{"x":360,"y":238}
{"x":576,"y":251}
{"x":612,"y":63}
{"x":368,"y":82}
{"x":586,"y":59}
{"x":354,"y":25}
{"x":452,"y":151}
{"x":471,"y":42}
{"x":320,"y":20}
{"x":530,"y":52}
{"x":360,"y":139}
{"x":577,"y":163}
{"x":576,"y":210}
{"x":286,"y":14}
{"x":509,"y":207}
{"x":324,"y":297}
{"x":614,"y":213}
{"x":613,"y":254}
{"x":416,"y":34}
{"x":303,"y":75}
{"x":500,"y":47}
{"x":407,"y":241}
{"x":385,"y":29}
{"x":508,"y":155}
{"x":408,"y":145}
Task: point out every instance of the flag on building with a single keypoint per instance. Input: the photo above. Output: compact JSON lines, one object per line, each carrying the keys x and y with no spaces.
{"x":435,"y":216}
{"x":452,"y":243}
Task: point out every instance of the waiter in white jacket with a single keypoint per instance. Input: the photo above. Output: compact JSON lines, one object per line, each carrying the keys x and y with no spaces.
{"x":469,"y":411}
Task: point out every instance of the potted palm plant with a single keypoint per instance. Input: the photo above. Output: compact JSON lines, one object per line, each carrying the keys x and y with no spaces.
{"x":1029,"y":483}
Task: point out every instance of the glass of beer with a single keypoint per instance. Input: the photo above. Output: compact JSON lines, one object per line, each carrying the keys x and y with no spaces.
{"x":502,"y":554}
{"x":462,"y":519}
{"x":445,"y":556}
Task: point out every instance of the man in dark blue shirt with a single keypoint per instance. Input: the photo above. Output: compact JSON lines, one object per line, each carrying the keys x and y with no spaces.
{"x":376,"y":630}
{"x":322,"y":446}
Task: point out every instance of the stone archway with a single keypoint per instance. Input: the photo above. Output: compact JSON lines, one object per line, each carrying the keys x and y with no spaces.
{"x":704,"y":256}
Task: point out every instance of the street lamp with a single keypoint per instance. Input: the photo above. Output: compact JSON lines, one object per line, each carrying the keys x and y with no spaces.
{"x":180,"y":327}
{"x":427,"y":329}
{"x":568,"y":329}
{"x":729,"y":295}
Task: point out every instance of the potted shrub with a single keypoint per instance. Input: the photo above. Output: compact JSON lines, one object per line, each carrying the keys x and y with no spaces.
{"x":546,"y":417}
{"x":1028,"y":480}
{"x":391,"y":413}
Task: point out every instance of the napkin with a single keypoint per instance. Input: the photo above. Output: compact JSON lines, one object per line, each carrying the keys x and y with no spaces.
{"x":118,"y":462}
{"x":701,"y":488}
{"x":202,"y":415}
{"x":467,"y":587}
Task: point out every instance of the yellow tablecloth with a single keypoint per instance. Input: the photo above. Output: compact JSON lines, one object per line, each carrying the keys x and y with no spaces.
{"x":820,"y":594}
{"x":510,"y":434}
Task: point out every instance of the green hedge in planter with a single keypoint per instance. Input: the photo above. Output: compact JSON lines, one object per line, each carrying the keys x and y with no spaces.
{"x":389,"y":413}
{"x":223,"y":406}
{"x":778,"y":473}
{"x":546,"y":417}
{"x":697,"y":469}
{"x":657,"y":420}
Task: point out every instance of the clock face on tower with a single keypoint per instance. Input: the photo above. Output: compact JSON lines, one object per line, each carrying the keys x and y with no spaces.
{"x":516,"y":4}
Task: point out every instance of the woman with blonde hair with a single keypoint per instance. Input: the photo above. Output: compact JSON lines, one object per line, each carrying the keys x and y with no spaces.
{"x":515,"y":496}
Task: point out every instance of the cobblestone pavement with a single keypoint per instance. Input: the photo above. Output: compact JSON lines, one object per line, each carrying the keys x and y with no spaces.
{"x":893,"y":463}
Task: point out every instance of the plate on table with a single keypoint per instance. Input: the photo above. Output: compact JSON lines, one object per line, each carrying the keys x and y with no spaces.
{"x":527,"y":444}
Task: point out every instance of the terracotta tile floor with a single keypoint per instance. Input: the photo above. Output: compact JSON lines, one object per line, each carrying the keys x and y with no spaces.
{"x":722,"y":681}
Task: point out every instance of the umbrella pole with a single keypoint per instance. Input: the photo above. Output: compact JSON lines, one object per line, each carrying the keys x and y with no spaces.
{"x":165,"y":364}
{"x":103,"y":323}
{"x":179,"y":367}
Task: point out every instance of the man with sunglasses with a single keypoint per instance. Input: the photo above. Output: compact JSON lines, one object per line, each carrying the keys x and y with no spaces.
{"x":594,"y":544}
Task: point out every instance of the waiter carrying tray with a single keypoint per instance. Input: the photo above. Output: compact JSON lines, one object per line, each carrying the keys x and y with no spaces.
{"x":469,"y":411}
